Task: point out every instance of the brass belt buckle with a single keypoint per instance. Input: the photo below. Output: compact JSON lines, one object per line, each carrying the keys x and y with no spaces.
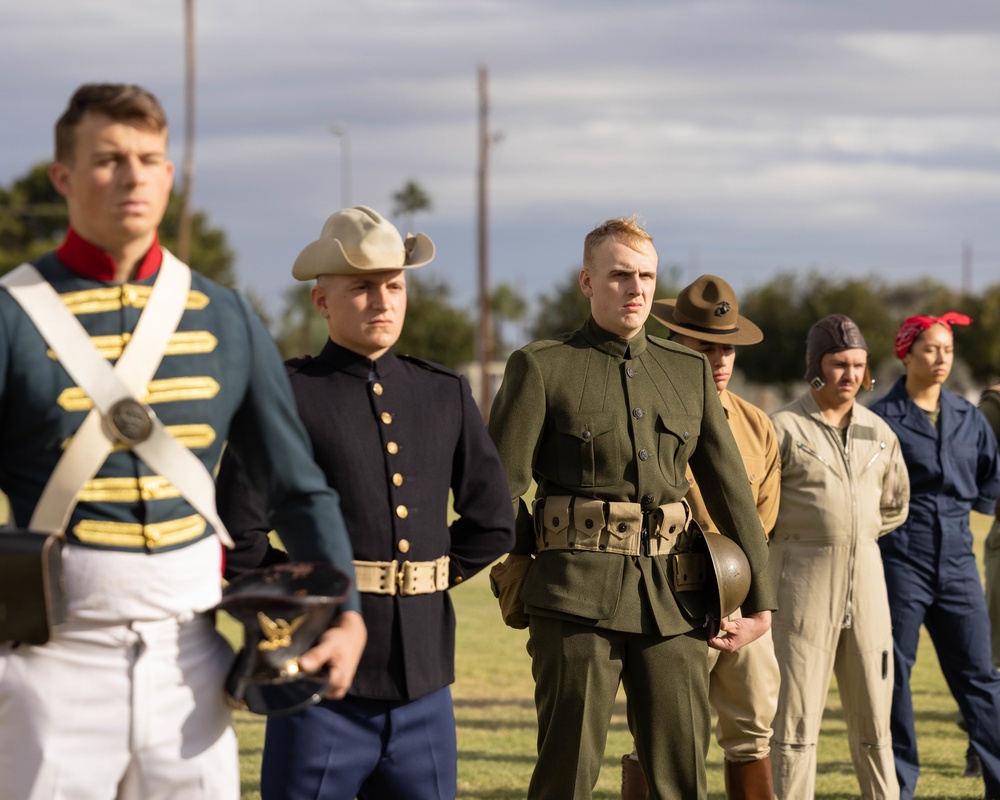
{"x":129,"y":421}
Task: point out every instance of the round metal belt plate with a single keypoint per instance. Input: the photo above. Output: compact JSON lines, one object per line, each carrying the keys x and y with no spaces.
{"x":130,"y":421}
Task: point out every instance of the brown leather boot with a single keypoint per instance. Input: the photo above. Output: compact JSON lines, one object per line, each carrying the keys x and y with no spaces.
{"x":634,"y":786}
{"x":750,"y":780}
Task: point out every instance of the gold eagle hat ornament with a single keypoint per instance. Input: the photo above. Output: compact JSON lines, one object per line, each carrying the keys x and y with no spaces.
{"x":284,"y":609}
{"x":359,"y":240}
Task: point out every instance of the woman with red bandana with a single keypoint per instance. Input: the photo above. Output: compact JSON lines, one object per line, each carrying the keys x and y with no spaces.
{"x":930,"y":569}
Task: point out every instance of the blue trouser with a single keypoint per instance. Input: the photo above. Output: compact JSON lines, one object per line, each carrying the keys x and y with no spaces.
{"x":946,"y":596}
{"x":369,"y":749}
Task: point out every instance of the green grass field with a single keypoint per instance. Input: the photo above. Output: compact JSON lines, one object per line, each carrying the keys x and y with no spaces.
{"x":496,"y":719}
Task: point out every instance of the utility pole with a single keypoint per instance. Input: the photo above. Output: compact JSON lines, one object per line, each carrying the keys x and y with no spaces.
{"x":967,"y":268}
{"x":485,"y":328}
{"x":184,"y":225}
{"x":344,"y":136}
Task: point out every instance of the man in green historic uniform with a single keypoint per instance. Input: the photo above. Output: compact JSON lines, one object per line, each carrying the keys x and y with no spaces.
{"x":606,"y":420}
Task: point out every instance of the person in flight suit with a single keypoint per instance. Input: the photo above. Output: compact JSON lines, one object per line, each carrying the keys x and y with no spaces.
{"x":743,"y":686}
{"x":125,"y":700}
{"x":606,"y":420}
{"x":843,"y":485}
{"x":393,"y":434}
{"x":930,"y":569}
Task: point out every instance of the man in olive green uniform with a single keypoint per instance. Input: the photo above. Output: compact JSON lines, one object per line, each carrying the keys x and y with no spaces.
{"x":743,"y":686}
{"x":989,"y":404}
{"x":606,"y":420}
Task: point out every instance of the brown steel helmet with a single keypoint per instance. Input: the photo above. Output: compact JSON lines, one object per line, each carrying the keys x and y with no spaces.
{"x":831,"y":335}
{"x":729,"y":578}
{"x":724,"y":584}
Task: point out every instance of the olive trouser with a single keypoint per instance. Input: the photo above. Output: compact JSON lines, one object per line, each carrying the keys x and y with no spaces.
{"x":992,"y":559}
{"x":577,"y":670}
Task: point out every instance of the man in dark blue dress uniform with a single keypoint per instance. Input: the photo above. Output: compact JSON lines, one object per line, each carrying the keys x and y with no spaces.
{"x":394,"y":434}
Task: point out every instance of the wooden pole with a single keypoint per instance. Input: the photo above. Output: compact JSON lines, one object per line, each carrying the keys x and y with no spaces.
{"x":184,"y":224}
{"x":485,"y":328}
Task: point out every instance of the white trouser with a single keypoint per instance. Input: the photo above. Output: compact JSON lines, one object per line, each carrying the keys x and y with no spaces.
{"x":131,"y":711}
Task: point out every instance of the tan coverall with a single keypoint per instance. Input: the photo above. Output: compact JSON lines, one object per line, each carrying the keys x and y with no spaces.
{"x":837,"y":499}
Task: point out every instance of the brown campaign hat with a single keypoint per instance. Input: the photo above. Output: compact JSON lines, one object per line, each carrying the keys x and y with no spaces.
{"x":358,"y":240}
{"x":707,"y":310}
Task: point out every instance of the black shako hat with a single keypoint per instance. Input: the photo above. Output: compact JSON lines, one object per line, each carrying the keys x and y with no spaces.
{"x":284,"y":609}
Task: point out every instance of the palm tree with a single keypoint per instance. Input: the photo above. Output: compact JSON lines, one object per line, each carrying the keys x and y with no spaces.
{"x":408,"y":201}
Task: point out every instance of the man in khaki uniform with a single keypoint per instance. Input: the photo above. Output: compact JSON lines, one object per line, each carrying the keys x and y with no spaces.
{"x":843,"y":485}
{"x":743,"y":686}
{"x":606,"y":420}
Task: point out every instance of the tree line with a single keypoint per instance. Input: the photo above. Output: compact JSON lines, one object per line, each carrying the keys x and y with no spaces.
{"x":33,"y":220}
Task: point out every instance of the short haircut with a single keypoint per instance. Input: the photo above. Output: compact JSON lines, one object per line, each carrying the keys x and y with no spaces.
{"x":626,"y":230}
{"x":121,"y":102}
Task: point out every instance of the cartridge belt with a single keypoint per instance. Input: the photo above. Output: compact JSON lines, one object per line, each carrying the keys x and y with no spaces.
{"x":571,"y":522}
{"x":403,"y":578}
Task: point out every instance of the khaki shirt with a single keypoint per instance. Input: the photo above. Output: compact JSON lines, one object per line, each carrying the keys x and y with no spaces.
{"x":595,"y":415}
{"x":758,"y":445}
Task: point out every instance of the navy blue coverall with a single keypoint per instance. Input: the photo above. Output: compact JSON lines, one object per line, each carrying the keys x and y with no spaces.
{"x":931,"y":572}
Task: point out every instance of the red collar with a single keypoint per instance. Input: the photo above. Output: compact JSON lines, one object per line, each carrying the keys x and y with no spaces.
{"x":90,"y":261}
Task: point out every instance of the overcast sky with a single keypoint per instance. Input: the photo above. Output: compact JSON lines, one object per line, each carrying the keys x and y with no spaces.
{"x":753,"y":137}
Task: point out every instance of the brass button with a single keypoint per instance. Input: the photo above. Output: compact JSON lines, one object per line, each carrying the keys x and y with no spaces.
{"x":392,"y":447}
{"x":686,"y":436}
{"x":129,"y":295}
{"x":458,"y":579}
{"x":386,"y":417}
{"x":630,"y":372}
{"x":643,"y":455}
{"x":586,"y":434}
{"x":403,"y":546}
{"x":397,"y":479}
{"x":401,"y":512}
{"x":638,"y":413}
{"x":377,"y":388}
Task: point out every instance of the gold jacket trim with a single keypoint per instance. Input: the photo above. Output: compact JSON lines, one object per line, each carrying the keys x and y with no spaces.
{"x":139,"y":537}
{"x":113,"y":298}
{"x":182,"y":343}
{"x":127,"y":490}
{"x":168,"y":390}
{"x":193,"y":437}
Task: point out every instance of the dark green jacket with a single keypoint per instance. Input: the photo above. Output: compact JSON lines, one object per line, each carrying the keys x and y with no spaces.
{"x":592,"y":414}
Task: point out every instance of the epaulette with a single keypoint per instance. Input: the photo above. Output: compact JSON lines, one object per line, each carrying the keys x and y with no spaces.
{"x":992,"y":394}
{"x":673,"y":347}
{"x":433,"y":366}
{"x":551,"y":341}
{"x":293,"y":364}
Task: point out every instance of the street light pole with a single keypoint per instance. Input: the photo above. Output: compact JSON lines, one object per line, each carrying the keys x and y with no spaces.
{"x":340,"y":131}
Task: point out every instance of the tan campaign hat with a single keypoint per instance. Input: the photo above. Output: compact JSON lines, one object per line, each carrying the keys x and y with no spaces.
{"x":707,"y":310}
{"x":358,"y":240}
